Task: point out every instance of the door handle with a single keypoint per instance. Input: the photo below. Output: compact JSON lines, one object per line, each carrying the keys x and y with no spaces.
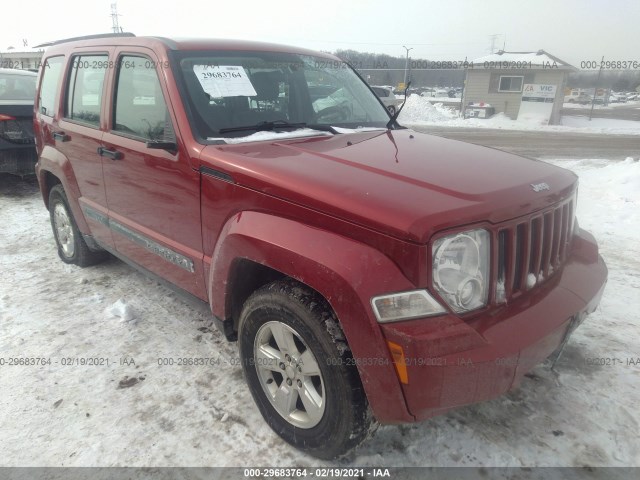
{"x":112,"y":154}
{"x":63,"y":137}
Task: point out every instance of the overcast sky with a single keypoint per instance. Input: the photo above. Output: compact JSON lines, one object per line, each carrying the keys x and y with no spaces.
{"x":574,"y":30}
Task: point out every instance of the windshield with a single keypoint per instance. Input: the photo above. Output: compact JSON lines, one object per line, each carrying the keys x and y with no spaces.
{"x":227,"y":91}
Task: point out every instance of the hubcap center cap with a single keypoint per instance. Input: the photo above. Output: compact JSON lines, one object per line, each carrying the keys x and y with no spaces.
{"x":291,"y":373}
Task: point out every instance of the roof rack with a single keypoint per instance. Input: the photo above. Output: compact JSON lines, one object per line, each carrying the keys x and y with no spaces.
{"x":86,"y":37}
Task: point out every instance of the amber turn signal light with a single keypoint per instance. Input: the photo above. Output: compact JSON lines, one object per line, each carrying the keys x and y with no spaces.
{"x":399,"y":361}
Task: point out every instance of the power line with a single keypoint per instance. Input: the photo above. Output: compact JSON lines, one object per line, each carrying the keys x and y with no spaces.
{"x":388,"y":44}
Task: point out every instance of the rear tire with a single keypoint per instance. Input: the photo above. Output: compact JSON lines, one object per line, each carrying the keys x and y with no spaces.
{"x":72,"y":248}
{"x":297,"y":364}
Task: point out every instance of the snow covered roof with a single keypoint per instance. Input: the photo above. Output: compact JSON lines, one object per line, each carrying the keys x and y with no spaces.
{"x":540,"y":59}
{"x":19,"y":47}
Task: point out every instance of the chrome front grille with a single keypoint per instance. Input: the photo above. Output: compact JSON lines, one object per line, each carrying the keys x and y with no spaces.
{"x":529,"y":250}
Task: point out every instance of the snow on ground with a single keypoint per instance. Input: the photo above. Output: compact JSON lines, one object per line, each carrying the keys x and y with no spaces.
{"x":579,"y":106}
{"x":144,"y":414}
{"x":262,"y":136}
{"x":603,"y":125}
{"x":446,"y":99}
{"x":419,"y":111}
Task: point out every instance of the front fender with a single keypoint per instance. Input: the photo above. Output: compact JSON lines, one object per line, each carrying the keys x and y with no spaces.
{"x":347,"y":273}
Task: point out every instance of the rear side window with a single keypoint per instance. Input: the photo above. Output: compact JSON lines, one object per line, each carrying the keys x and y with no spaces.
{"x":51,"y":70}
{"x":84,"y":93}
{"x":140,"y":109}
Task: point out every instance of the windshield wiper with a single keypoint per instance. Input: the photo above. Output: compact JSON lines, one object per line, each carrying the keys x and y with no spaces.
{"x":277,"y":124}
{"x":322,"y":128}
{"x":394,"y":119}
{"x":263,"y":126}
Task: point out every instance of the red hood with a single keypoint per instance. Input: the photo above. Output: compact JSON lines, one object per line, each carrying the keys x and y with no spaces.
{"x":401,"y":183}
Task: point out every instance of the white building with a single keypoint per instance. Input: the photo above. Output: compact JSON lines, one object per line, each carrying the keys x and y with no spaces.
{"x":498,"y":79}
{"x":21,"y":57}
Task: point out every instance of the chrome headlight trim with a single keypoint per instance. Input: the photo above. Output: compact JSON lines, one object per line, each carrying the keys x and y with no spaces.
{"x":460,"y":269}
{"x":407,"y":305}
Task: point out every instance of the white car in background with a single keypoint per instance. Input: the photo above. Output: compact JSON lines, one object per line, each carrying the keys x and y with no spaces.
{"x":577,"y":96}
{"x":387,"y":97}
{"x":621,"y":96}
{"x":440,"y":93}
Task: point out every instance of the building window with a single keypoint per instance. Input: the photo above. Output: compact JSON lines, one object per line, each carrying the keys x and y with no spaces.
{"x":510,"y":84}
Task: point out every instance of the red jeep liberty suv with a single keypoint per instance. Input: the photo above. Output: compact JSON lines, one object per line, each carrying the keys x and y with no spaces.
{"x":369,"y":273}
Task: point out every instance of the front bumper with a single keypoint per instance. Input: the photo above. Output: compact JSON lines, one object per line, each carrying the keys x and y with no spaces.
{"x":451,"y":362}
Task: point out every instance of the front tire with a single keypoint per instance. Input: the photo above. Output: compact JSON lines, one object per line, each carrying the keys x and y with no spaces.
{"x":300,"y":371}
{"x":72,"y":248}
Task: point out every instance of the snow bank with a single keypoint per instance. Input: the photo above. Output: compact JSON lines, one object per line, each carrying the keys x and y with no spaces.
{"x":601,"y":125}
{"x":609,"y":202}
{"x":419,"y":111}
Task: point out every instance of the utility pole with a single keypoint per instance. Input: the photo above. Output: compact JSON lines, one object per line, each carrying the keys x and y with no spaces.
{"x":595,"y":90}
{"x":406,"y":65}
{"x":114,"y":18}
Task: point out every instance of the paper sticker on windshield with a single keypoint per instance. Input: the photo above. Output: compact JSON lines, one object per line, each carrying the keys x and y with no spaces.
{"x":224,"y":81}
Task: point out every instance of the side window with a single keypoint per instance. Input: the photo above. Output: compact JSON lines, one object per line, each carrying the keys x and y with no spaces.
{"x":51,"y":70}
{"x":140,"y":109}
{"x":84,"y":92}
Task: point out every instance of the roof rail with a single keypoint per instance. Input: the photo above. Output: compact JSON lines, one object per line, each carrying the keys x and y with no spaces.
{"x":86,"y":37}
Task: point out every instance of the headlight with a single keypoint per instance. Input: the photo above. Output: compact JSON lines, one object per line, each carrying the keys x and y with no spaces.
{"x":461,"y":269}
{"x":405,"y":305}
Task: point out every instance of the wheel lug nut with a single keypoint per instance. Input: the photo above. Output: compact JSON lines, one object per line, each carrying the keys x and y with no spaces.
{"x":287,"y":358}
{"x":281,"y":366}
{"x":289,"y":381}
{"x":299,"y":383}
{"x":299,"y":368}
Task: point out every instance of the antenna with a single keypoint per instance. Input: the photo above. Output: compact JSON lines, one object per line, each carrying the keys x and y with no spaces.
{"x":493,"y":39}
{"x":114,"y":19}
